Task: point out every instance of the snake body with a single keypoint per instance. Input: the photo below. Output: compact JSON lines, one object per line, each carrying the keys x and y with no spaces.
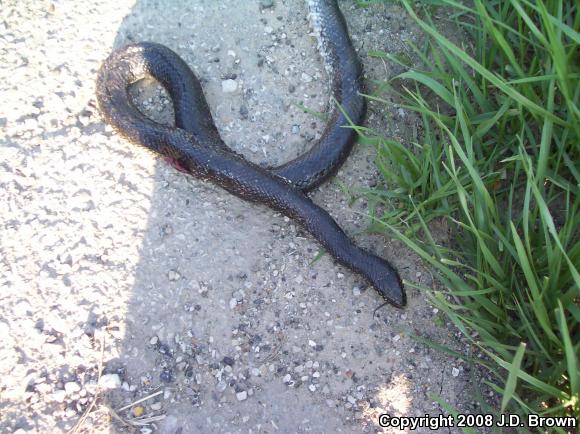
{"x":195,"y":146}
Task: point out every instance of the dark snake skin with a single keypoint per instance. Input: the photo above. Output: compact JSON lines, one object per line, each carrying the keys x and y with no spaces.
{"x":195,"y":146}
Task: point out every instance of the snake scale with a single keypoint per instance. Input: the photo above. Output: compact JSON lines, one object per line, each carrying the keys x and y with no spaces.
{"x":195,"y":146}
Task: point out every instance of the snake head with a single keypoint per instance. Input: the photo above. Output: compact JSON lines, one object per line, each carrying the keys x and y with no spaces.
{"x":387,"y":281}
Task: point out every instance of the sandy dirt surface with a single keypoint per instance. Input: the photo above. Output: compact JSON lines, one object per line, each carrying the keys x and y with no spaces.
{"x":110,"y":258}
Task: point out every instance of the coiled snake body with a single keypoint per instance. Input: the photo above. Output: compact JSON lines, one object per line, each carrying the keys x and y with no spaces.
{"x":195,"y":146}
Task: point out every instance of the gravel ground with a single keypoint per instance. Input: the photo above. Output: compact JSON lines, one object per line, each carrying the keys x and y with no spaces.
{"x":209,"y":306}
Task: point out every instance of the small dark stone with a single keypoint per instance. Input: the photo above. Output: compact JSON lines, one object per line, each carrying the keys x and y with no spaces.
{"x":164,"y":349}
{"x":266,"y":4}
{"x":228,"y":361}
{"x":188,"y":371}
{"x":195,"y":398}
{"x":255,"y":339}
{"x":244,"y":112}
{"x":291,"y":88}
{"x":166,"y":375}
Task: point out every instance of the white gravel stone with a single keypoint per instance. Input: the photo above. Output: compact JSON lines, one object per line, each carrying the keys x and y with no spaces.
{"x":173,"y":275}
{"x":242,"y":396}
{"x":229,"y":86}
{"x":110,"y":381}
{"x":59,"y":395}
{"x":71,"y":387}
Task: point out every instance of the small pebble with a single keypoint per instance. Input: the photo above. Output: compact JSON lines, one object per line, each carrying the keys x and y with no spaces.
{"x":166,"y":375}
{"x":59,"y":396}
{"x":242,"y":396}
{"x":229,"y":86}
{"x":71,"y":387}
{"x":110,"y":381}
{"x":138,"y":411}
{"x":221,"y":386}
{"x":173,"y":275}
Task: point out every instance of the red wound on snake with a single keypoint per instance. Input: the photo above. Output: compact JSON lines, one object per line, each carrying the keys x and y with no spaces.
{"x":176,"y":164}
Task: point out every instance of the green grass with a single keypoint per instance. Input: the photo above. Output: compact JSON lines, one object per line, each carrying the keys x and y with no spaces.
{"x":498,"y":159}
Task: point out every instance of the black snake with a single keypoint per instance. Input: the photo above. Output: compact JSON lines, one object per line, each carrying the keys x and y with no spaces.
{"x":195,"y":146}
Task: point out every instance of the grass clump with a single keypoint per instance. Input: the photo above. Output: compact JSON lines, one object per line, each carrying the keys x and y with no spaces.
{"x":498,"y":160}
